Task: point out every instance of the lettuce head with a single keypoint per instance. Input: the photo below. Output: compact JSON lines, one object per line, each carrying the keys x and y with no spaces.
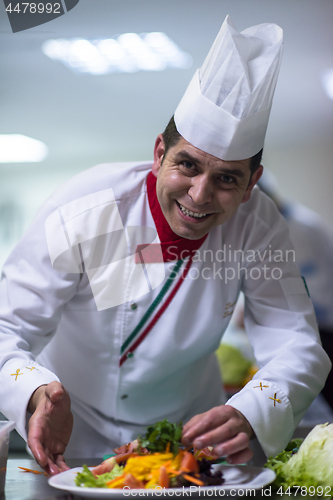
{"x":312,"y":465}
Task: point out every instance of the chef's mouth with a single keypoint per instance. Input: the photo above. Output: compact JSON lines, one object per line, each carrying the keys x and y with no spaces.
{"x":193,"y":215}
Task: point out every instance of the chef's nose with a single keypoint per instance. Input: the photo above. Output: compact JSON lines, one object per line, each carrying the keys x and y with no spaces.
{"x":201,"y":190}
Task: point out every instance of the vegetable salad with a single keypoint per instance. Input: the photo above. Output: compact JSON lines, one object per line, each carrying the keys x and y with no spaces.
{"x":155,"y":460}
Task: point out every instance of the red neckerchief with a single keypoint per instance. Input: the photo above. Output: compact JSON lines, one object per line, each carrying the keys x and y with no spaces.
{"x":173,"y":246}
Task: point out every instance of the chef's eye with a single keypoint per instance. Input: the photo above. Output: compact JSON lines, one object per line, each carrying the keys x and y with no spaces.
{"x":187,"y":164}
{"x":188,"y":167}
{"x":227,"y":179}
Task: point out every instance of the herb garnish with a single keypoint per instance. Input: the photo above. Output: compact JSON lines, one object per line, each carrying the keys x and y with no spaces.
{"x":162,"y":435}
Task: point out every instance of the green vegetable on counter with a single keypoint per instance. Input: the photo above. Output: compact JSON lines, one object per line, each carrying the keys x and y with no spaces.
{"x":233,"y":365}
{"x":311,"y":465}
{"x":87,"y":479}
{"x":160,"y":434}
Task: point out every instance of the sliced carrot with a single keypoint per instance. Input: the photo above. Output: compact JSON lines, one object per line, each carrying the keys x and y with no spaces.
{"x":193,"y":480}
{"x":117,"y":482}
{"x":163,"y":478}
{"x":173,"y":471}
{"x":33,"y":471}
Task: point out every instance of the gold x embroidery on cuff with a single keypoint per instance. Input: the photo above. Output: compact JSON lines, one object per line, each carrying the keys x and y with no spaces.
{"x":275,"y":399}
{"x":260,"y":385}
{"x":18,"y":372}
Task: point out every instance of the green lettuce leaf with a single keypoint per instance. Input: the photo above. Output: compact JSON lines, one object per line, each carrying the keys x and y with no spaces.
{"x":87,"y":479}
{"x":312,"y":465}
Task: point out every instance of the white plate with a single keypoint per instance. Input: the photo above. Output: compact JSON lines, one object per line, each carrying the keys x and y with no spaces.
{"x":237,"y":477}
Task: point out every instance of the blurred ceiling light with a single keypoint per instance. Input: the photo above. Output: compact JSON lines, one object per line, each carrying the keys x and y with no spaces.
{"x":17,"y":148}
{"x":126,"y":53}
{"x":327,"y":82}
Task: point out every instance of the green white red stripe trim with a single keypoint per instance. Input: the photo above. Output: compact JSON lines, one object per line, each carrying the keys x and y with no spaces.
{"x":139,"y":334}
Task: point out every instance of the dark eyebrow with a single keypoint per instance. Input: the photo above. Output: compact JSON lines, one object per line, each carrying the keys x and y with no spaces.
{"x":184,"y":155}
{"x":232,"y":171}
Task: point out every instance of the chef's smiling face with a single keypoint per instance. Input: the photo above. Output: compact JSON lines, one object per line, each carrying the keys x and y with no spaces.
{"x":198,"y":191}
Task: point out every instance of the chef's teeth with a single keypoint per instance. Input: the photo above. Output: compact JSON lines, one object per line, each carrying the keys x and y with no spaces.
{"x":190,"y":213}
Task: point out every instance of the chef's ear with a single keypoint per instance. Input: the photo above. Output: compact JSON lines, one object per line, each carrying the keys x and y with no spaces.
{"x":253,"y":181}
{"x":159,"y":150}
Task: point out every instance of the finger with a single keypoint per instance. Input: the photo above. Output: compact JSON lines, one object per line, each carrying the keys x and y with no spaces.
{"x":191,"y":423}
{"x":199,"y":425}
{"x":205,"y":421}
{"x":241,"y":457}
{"x":220,"y":434}
{"x":52,"y":469}
{"x":54,"y":463}
{"x":54,"y":391}
{"x":60,"y":462}
{"x":235,"y":445}
{"x":38,"y":452}
{"x":208,"y":421}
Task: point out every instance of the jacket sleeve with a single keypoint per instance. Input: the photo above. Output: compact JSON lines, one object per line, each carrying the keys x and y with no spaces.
{"x":281,"y":325}
{"x":32,"y":296}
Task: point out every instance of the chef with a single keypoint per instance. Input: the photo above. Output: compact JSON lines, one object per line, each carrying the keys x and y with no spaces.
{"x":116,"y":298}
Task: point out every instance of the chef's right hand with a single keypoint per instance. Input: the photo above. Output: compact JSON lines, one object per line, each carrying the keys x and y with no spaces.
{"x":50,"y":426}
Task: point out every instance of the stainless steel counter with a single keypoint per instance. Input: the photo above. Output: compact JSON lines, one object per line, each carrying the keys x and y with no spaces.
{"x":22,"y":485}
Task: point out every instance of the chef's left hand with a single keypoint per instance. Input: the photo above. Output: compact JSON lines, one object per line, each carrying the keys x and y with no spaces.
{"x":224,"y":428}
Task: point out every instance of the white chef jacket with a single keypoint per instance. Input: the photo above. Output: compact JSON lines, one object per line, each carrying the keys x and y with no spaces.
{"x":53,"y":327}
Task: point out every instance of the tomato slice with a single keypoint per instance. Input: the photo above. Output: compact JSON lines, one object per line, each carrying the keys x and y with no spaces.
{"x":189,"y":463}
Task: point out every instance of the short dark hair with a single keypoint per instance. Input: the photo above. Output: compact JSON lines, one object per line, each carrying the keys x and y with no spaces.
{"x":255,"y":161}
{"x":171,"y":137}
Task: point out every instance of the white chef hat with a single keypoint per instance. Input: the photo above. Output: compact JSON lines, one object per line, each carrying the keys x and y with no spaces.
{"x":226,"y":106}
